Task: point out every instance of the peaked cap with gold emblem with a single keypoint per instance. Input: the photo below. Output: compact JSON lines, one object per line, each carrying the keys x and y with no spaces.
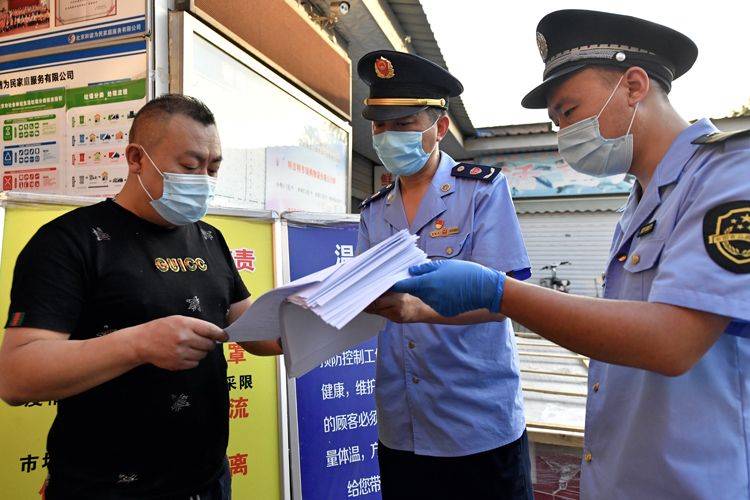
{"x":402,"y":84}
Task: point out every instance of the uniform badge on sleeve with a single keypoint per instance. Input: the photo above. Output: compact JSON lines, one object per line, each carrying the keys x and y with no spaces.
{"x":726,"y":235}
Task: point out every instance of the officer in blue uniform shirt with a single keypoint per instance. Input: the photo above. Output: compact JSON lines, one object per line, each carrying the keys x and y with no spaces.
{"x":450,"y":408}
{"x":668,"y":411}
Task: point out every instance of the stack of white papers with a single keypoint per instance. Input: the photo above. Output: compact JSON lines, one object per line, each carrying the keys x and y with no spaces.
{"x":320,"y":315}
{"x":353,"y":285}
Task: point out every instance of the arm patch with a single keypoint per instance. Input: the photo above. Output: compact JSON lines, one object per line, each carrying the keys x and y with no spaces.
{"x":726,"y":235}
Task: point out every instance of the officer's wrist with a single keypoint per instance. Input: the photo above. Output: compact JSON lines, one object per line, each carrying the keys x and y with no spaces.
{"x":499,"y":288}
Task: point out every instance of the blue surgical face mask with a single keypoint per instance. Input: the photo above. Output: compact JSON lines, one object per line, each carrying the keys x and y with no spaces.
{"x":582,"y":146}
{"x":401,"y":152}
{"x":185,"y":197}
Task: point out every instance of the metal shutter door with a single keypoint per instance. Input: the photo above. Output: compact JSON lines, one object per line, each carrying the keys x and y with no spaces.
{"x":582,"y":238}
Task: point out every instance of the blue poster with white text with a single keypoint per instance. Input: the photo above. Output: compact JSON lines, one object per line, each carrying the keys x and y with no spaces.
{"x":336,"y":414}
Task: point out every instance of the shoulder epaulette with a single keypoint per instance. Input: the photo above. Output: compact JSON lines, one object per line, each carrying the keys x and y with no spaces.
{"x":477,"y":172}
{"x":383,"y":191}
{"x":719,"y":137}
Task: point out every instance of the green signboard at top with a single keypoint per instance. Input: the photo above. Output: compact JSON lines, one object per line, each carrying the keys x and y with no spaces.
{"x":32,"y":101}
{"x":106,"y":93}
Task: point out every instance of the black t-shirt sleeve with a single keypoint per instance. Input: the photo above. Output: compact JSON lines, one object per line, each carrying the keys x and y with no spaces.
{"x":239,"y":290}
{"x":49,"y":279}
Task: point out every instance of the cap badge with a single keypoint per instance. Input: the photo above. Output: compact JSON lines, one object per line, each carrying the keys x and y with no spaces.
{"x":384,"y":68}
{"x":541,"y":42}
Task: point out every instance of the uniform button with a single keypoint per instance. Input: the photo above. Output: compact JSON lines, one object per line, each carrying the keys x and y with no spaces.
{"x":415,"y":380}
{"x":390,"y":197}
{"x":449,"y":250}
{"x":635,"y":259}
{"x":588,"y":457}
{"x":445,"y":188}
{"x":622,"y":258}
{"x":412,"y":345}
{"x":596,"y":387}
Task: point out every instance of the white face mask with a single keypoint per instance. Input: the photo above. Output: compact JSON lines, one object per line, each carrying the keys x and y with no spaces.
{"x":582,"y":146}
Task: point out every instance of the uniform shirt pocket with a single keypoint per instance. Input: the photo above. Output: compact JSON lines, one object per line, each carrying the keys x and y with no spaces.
{"x":447,"y":247}
{"x":641,"y":267}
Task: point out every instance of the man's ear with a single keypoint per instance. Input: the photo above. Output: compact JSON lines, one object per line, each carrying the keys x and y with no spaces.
{"x":639,"y":84}
{"x":443,"y":124}
{"x":134,"y":155}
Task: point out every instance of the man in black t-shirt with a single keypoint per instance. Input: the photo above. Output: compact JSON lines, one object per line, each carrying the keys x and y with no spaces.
{"x":117,"y":311}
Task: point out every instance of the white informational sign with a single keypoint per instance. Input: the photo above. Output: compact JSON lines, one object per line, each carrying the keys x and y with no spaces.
{"x":242,"y":178}
{"x":65,"y":126}
{"x":303,"y":180}
{"x":282,"y":151}
{"x":32,"y":151}
{"x":77,"y":11}
{"x":45,"y":24}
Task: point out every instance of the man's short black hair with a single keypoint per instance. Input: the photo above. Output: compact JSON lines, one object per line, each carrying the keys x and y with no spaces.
{"x":612,"y":74}
{"x":166,"y":106}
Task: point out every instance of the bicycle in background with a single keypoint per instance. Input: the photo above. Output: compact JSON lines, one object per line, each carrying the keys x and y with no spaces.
{"x":553,"y":281}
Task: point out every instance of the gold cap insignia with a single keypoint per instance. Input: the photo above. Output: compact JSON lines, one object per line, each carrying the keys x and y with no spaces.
{"x":384,"y":68}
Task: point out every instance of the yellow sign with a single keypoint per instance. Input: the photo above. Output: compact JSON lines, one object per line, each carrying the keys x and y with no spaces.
{"x":23,"y":429}
{"x":253,"y":396}
{"x":254,"y":421}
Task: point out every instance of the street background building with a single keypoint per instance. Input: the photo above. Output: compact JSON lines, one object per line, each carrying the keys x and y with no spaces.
{"x":298,"y":160}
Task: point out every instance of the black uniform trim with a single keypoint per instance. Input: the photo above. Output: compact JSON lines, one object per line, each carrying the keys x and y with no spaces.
{"x":719,"y":137}
{"x":475,"y":171}
{"x":383,"y":191}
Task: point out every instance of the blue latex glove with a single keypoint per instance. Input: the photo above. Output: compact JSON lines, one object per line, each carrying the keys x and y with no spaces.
{"x":452,"y":287}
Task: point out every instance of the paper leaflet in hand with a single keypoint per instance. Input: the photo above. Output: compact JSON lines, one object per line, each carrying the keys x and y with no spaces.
{"x":321,"y":315}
